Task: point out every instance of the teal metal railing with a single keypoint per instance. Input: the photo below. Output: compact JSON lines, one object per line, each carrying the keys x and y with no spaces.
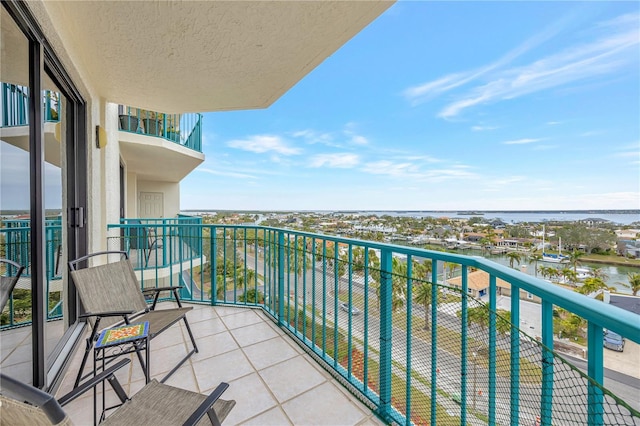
{"x":15,"y":244}
{"x":387,"y":322}
{"x":183,"y":129}
{"x":14,"y":106}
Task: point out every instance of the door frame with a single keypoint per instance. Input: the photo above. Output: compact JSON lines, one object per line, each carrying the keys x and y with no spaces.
{"x":43,"y":57}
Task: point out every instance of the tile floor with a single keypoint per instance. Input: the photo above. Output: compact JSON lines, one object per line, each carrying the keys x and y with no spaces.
{"x":273,"y":381}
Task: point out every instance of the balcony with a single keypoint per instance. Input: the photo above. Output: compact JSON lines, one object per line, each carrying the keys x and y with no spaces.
{"x":445,"y":358}
{"x":160,"y":146}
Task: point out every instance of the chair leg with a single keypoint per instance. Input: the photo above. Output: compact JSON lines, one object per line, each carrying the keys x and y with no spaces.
{"x":194,"y":350}
{"x":84,"y":362}
{"x":193,"y":340}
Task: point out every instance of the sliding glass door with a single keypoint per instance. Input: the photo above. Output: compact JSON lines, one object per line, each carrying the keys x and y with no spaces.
{"x":43,"y":196}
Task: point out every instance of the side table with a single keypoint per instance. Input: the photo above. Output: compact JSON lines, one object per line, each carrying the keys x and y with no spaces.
{"x":115,"y":342}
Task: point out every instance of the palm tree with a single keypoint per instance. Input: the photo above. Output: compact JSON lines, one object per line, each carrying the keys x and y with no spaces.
{"x":422,"y":290}
{"x":598,"y":272}
{"x":514,"y":256}
{"x":398,"y":283}
{"x":535,"y":258}
{"x":569,"y":275}
{"x":422,"y":295}
{"x":591,"y":285}
{"x":634,"y":282}
{"x":574,"y":257}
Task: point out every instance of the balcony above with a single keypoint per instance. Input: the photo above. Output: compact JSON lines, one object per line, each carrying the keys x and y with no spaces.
{"x":158,"y":146}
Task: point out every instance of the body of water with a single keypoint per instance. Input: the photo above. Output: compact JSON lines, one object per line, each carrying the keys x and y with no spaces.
{"x":516,"y":217}
{"x":616,"y":276}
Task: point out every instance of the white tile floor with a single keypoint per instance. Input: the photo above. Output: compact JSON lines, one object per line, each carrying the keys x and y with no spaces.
{"x":273,"y":381}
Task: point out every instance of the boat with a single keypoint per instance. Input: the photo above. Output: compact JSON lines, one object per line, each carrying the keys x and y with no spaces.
{"x":583,"y":273}
{"x":553,"y":258}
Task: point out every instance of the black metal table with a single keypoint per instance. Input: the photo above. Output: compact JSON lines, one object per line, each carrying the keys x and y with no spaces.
{"x":113,"y":343}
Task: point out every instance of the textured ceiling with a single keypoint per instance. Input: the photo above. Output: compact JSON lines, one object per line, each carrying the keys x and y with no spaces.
{"x":203,"y":55}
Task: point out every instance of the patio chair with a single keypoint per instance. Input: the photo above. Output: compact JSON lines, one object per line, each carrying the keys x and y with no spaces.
{"x":156,"y":403}
{"x":111,"y":296}
{"x":11,"y":272}
{"x":143,"y":239}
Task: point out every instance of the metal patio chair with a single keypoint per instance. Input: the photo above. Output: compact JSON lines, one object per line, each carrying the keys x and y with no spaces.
{"x":144,"y":239}
{"x":10,"y":274}
{"x":111,"y":296}
{"x":154,"y":404}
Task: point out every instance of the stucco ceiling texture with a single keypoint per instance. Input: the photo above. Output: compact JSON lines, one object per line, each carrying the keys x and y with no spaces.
{"x":204,"y":55}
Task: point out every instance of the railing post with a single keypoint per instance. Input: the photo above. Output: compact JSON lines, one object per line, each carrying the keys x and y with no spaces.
{"x":434,"y":340}
{"x":214,"y":267}
{"x":281,"y":268}
{"x":595,"y":371}
{"x":546,"y":401}
{"x":515,"y":355}
{"x":386,"y":317}
{"x":492,"y":350}
{"x":463,"y":346}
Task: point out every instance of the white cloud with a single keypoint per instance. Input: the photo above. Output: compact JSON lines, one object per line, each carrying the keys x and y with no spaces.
{"x":554,"y":123}
{"x":359,"y":140}
{"x":429,"y":90}
{"x":616,"y":48}
{"x":483,"y":128}
{"x":412,"y":171}
{"x":336,"y":161}
{"x":264,"y":143}
{"x":521,"y":141}
{"x":313,"y":137}
{"x":603,"y":56}
{"x":350,"y":130}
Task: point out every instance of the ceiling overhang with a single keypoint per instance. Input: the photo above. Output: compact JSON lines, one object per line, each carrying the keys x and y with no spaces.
{"x":203,"y":55}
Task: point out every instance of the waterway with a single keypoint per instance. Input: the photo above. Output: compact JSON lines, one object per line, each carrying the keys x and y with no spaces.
{"x":616,"y":275}
{"x":517,"y":217}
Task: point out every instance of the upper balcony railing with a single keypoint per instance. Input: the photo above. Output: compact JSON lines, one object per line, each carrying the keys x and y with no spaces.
{"x":387,"y":321}
{"x":183,"y":129}
{"x":14,"y":107}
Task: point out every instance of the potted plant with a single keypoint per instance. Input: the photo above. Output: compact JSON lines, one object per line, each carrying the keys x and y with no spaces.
{"x":129,"y":123}
{"x":152,"y":122}
{"x":173,"y":134}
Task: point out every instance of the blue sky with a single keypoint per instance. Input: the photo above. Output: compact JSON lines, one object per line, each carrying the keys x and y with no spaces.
{"x":446,"y":105}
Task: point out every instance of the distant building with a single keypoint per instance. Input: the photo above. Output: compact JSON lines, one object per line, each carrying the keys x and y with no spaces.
{"x":478,"y":286}
{"x":628,"y":248}
{"x":628,"y":234}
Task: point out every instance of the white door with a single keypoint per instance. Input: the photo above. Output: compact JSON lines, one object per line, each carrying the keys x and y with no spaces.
{"x":151,"y":205}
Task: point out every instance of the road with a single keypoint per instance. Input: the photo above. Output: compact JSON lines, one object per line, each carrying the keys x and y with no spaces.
{"x":449,"y":365}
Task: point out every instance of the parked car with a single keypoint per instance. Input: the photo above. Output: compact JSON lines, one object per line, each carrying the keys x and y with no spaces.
{"x":613,"y":341}
{"x":345,"y":307}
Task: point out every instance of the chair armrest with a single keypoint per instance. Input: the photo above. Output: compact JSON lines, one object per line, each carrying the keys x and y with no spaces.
{"x":159,"y":289}
{"x":206,"y":405}
{"x":106,"y":314}
{"x":107,"y":374}
{"x":26,"y":393}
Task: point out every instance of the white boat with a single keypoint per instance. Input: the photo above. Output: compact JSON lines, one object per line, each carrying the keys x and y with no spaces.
{"x":583,"y":273}
{"x":553,"y":258}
